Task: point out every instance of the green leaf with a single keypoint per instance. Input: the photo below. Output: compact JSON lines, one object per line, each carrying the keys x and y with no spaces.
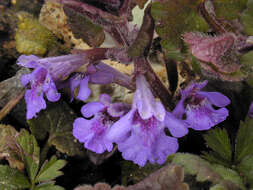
{"x":82,"y":27}
{"x":193,"y":165}
{"x":12,"y":179}
{"x":218,"y":140}
{"x":50,"y":170}
{"x":57,"y":121}
{"x":244,"y":140}
{"x":213,"y":157}
{"x":246,"y":168}
{"x":48,"y":186}
{"x":247,"y":66}
{"x":173,"y":18}
{"x":31,"y":152}
{"x":228,"y":174}
{"x":8,"y":147}
{"x":247,"y":17}
{"x":229,"y":9}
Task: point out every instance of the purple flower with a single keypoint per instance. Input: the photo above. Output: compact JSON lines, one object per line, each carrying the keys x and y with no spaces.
{"x":198,"y":107}
{"x":92,"y":132}
{"x":93,"y":75}
{"x":42,"y":80}
{"x":140,"y":133}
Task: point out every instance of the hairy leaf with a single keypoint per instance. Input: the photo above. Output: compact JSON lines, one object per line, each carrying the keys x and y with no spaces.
{"x":173,"y":18}
{"x":246,"y":168}
{"x":229,"y":9}
{"x":48,"y":186}
{"x":219,"y":141}
{"x":229,"y":175}
{"x":82,"y":27}
{"x":204,"y":171}
{"x":50,"y":170}
{"x":168,"y":177}
{"x":247,"y":66}
{"x":218,"y":50}
{"x":8,"y":147}
{"x":31,"y":152}
{"x":12,"y":179}
{"x":194,"y":165}
{"x":244,"y":140}
{"x":247,"y":17}
{"x":214,"y":157}
{"x":57,"y":122}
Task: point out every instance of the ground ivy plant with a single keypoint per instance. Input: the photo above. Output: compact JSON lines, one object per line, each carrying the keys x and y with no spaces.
{"x":198,"y":45}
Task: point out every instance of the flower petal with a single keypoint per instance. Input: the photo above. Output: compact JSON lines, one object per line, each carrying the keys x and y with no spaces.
{"x":216,"y":98}
{"x":81,"y":129}
{"x":165,"y":146}
{"x":84,"y":91}
{"x":91,"y":108}
{"x":177,"y":127}
{"x":159,"y":111}
{"x":25,"y":79}
{"x":179,"y":110}
{"x":29,"y":61}
{"x":101,"y":77}
{"x":74,"y":82}
{"x":34,"y":103}
{"x":143,"y":99}
{"x":132,"y":149}
{"x":204,"y":117}
{"x":120,"y":129}
{"x":50,"y":89}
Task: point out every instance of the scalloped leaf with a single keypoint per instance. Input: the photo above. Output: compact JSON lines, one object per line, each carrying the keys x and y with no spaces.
{"x":31,"y":152}
{"x":173,"y":18}
{"x":229,"y":9}
{"x":247,"y":17}
{"x":213,"y":157}
{"x":204,"y":171}
{"x":247,"y":66}
{"x":229,"y":175}
{"x":57,"y":122}
{"x":246,"y":168}
{"x":8,"y":147}
{"x":194,"y":165}
{"x":50,"y":170}
{"x":219,"y":141}
{"x":12,"y":179}
{"x":48,"y":186}
{"x":244,"y":140}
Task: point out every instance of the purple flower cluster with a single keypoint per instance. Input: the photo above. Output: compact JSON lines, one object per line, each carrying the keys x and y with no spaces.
{"x":49,"y":74}
{"x":139,"y":132}
{"x":137,"y":129}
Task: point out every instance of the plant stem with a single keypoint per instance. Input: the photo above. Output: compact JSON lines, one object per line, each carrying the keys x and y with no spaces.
{"x":43,"y":154}
{"x":10,"y":105}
